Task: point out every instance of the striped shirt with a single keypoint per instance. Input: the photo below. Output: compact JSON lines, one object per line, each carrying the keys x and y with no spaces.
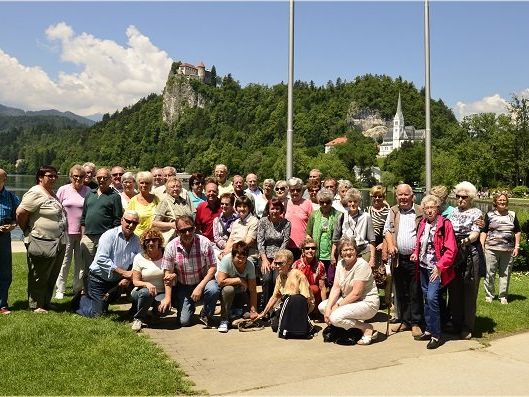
{"x":190,"y":267}
{"x":407,"y":235}
{"x":379,"y":218}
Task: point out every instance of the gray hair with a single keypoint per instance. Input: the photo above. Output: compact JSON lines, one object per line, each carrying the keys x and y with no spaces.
{"x":132,"y":213}
{"x":145,"y":175}
{"x":269,"y":181}
{"x":466,"y":187}
{"x":77,"y":168}
{"x":353,"y":195}
{"x":127,"y":175}
{"x":325,"y":195}
{"x":91,"y":165}
{"x":430,"y":198}
{"x":347,"y":241}
{"x":344,"y":183}
{"x":295,"y":182}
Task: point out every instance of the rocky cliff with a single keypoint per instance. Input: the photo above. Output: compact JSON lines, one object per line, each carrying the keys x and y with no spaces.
{"x":179,"y":94}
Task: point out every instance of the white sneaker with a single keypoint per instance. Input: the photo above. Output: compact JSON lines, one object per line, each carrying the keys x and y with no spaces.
{"x":223,"y":327}
{"x":136,"y":325}
{"x":503,"y":301}
{"x":59,"y":295}
{"x":488,"y":299}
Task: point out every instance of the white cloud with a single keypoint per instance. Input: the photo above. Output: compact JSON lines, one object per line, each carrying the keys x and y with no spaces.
{"x":111,"y":76}
{"x":488,"y":104}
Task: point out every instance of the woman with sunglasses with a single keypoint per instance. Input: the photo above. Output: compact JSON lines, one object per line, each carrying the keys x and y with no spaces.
{"x":469,"y":265}
{"x":71,"y":196}
{"x":196,"y":191}
{"x":313,"y":269}
{"x":281,"y":190}
{"x":273,"y":233}
{"x":148,"y":279}
{"x":41,"y":217}
{"x":297,"y":212}
{"x":321,"y":227}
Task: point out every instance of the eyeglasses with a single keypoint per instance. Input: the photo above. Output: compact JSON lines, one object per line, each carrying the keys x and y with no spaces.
{"x":295,"y":189}
{"x":280,"y":189}
{"x":117,"y":174}
{"x":102,"y":178}
{"x":131,"y":222}
{"x":378,"y":197}
{"x":309,"y":248}
{"x":186,"y":230}
{"x":461,"y":197}
{"x":347,"y":249}
{"x":196,"y":183}
{"x":147,"y":240}
{"x":51,"y":176}
{"x":76,"y":177}
{"x":278,"y":264}
{"x":324,"y":202}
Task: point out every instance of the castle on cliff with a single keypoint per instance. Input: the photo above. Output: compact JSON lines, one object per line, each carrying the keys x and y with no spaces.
{"x":198,"y":72}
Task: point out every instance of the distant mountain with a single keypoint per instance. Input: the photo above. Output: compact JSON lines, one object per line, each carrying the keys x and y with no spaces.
{"x":8,"y":111}
{"x":95,"y":117}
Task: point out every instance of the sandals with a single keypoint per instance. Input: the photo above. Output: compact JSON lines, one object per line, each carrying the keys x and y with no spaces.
{"x":367,"y":339}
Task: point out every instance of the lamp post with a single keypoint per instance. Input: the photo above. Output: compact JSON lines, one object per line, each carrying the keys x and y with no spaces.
{"x":428,"y":132}
{"x":290,"y":131}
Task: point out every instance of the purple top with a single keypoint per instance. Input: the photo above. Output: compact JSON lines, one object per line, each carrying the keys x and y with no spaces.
{"x":72,"y":201}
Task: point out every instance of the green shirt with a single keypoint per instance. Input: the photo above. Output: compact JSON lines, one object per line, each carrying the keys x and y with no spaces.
{"x":101,"y":213}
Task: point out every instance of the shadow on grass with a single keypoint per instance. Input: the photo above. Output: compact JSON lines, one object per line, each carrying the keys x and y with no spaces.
{"x":514,"y":297}
{"x":483,"y":325}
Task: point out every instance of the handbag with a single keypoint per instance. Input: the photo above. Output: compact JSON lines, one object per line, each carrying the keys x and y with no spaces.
{"x":380,"y":276}
{"x":42,"y":247}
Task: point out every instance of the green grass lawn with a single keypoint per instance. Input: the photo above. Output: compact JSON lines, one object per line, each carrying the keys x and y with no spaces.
{"x":62,"y":354}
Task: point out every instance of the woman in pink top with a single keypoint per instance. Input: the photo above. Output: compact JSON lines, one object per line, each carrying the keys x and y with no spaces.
{"x":71,"y":197}
{"x":298,"y":212}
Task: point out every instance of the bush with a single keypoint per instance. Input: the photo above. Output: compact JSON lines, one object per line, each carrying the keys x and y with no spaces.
{"x":520,"y":191}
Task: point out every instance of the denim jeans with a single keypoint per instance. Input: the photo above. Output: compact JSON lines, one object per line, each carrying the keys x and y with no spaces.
{"x":186,"y":306}
{"x":432,"y":296}
{"x":6,"y":267}
{"x":142,"y":301}
{"x":94,"y":303}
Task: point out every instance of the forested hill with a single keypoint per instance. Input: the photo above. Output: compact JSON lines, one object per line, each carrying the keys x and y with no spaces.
{"x":242,"y":127}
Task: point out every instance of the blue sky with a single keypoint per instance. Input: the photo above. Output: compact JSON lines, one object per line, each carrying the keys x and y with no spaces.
{"x":91,"y":57}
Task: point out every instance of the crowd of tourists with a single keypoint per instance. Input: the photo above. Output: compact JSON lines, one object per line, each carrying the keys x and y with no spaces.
{"x":314,"y":243}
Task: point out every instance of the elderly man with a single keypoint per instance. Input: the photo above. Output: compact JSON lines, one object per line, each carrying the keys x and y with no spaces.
{"x":189,"y":259}
{"x":400,"y":232}
{"x":161,"y":191}
{"x":111,"y":268}
{"x":116,"y":173}
{"x":236,"y":279}
{"x":157,"y":174}
{"x":8,"y":205}
{"x":207,"y":211}
{"x":314,"y":175}
{"x":253,"y":186}
{"x":221,"y":175}
{"x":102,"y":210}
{"x":90,"y":171}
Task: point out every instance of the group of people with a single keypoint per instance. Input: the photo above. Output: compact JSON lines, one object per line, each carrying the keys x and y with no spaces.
{"x":171,"y":247}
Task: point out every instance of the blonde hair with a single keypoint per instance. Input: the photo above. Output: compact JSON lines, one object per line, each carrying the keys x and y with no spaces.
{"x":440,"y":191}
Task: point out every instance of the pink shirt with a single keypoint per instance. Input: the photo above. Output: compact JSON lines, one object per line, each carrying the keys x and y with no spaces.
{"x":298,"y":215}
{"x":72,"y":201}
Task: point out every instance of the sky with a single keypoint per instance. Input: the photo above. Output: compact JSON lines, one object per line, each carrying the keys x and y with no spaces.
{"x":98,"y":57}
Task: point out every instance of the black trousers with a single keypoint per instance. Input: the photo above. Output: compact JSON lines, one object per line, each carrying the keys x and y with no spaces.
{"x":408,"y":291}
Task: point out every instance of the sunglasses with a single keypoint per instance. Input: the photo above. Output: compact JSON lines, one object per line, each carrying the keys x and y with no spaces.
{"x":77,"y":177}
{"x":147,"y":240}
{"x":280,"y":189}
{"x":102,"y":178}
{"x":118,"y":174}
{"x":461,"y":197}
{"x":196,"y":183}
{"x":131,"y":222}
{"x":186,"y":230}
{"x":279,"y":264}
{"x":295,"y":189}
{"x":51,"y":176}
{"x":378,"y":197}
{"x":309,"y":248}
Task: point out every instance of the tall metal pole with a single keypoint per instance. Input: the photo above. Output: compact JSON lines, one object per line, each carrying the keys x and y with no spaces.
{"x":428,"y":135}
{"x":290,"y":131}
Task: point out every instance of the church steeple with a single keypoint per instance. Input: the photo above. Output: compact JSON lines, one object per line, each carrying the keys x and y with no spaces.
{"x":399,"y":114}
{"x":398,"y":126}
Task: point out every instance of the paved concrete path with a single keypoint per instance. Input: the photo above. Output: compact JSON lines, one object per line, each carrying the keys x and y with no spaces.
{"x":260,"y":363}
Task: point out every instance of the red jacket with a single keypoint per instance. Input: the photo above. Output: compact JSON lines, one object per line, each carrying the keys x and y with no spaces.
{"x":445,"y":245}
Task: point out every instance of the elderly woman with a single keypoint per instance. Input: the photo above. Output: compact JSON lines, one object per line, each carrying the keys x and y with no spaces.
{"x":501,"y":239}
{"x":321,"y":227}
{"x":196,"y":190}
{"x":313,"y":187}
{"x":273,"y":234}
{"x":243,"y":229}
{"x":469,"y":265}
{"x":222,"y":224}
{"x":71,"y":196}
{"x":298,"y":284}
{"x":148,"y":279}
{"x":42,"y":218}
{"x":262,"y":200}
{"x":281,"y":189}
{"x":354,"y":295}
{"x":340,"y":203}
{"x":90,"y":173}
{"x":297,"y":212}
{"x":129,"y":191}
{"x":434,"y":253}
{"x":313,"y":269}
{"x":356,"y":224}
{"x":144,"y":203}
{"x":171,"y":207}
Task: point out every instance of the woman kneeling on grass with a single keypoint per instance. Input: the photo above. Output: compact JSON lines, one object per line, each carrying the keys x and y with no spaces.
{"x":147,"y":277}
{"x":353,"y":298}
{"x":435,"y":253}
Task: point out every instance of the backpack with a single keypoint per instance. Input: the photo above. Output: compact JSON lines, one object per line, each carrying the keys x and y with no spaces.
{"x":294,"y":320}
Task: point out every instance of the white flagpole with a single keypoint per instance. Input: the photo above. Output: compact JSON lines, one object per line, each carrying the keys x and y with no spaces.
{"x":428,"y":134}
{"x":290,"y":131}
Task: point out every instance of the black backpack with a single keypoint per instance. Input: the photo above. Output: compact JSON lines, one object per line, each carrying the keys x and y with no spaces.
{"x":294,"y":320}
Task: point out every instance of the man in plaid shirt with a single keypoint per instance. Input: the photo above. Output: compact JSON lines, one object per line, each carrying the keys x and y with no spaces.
{"x":190,"y":259}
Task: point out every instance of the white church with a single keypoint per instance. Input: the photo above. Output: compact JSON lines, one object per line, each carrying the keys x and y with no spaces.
{"x":399,"y":133}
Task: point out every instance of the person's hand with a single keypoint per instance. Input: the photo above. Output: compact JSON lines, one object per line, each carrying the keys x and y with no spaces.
{"x":333,"y":261}
{"x":253,"y":316}
{"x":392,"y":250}
{"x":165,"y":305}
{"x":435,"y":273}
{"x":168,"y":278}
{"x":413,"y":257}
{"x":127,"y":274}
{"x":124,"y":283}
{"x":515,"y":252}
{"x":480,"y":222}
{"x":265,"y":266}
{"x":197,"y":293}
{"x":372,"y":262}
{"x":379,"y":247}
{"x":151,"y":288}
{"x":243,"y":284}
{"x":326,"y":318}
